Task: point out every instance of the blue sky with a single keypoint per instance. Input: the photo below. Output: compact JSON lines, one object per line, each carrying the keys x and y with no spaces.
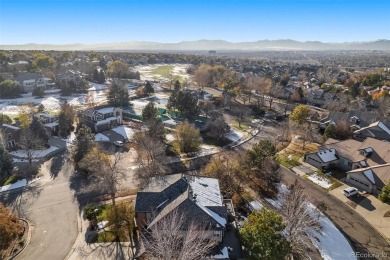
{"x":97,"y":21}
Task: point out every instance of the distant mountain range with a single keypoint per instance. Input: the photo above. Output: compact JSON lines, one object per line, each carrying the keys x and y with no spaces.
{"x":205,"y":45}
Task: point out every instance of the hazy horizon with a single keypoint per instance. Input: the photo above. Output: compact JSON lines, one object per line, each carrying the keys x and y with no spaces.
{"x":95,"y":22}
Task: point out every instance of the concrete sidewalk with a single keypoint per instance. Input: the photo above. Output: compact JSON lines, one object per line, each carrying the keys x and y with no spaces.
{"x":369,"y":207}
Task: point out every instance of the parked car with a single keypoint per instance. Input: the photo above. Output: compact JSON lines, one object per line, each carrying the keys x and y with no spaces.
{"x":351,"y":191}
{"x":118,"y":143}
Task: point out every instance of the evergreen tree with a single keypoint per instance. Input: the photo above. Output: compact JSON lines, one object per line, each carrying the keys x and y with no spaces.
{"x":262,"y":236}
{"x":65,"y":120}
{"x":85,"y":141}
{"x":101,"y":77}
{"x":6,"y":164}
{"x":118,"y":96}
{"x":39,"y":131}
{"x":177,"y":85}
{"x":149,"y":112}
{"x":95,"y":75}
{"x":149,"y":88}
{"x":153,"y":121}
{"x":38,"y":92}
{"x":41,"y":108}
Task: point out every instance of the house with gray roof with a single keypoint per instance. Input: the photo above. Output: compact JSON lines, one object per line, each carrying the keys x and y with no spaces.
{"x":371,"y":179}
{"x":102,"y":118}
{"x":197,"y":198}
{"x":29,"y":81}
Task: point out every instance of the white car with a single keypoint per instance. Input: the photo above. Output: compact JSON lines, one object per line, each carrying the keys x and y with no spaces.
{"x":118,"y":143}
{"x":348,"y":192}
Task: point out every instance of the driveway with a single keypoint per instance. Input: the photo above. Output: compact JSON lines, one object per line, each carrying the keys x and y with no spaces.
{"x":364,"y":238}
{"x":369,"y":207}
{"x":53,"y":213}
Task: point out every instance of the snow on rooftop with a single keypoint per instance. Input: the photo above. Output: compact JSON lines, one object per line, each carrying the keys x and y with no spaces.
{"x":106,"y":110}
{"x":223,"y":255}
{"x":207,"y":191}
{"x":124,"y":131}
{"x":101,"y":138}
{"x":368,"y":150}
{"x":384,"y":128}
{"x":363,"y":163}
{"x":35,"y":154}
{"x":327,"y":155}
{"x":105,"y":121}
{"x":369,"y":175}
{"x":222,"y":221}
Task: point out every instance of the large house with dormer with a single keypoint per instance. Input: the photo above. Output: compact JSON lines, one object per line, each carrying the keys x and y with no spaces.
{"x":102,"y":118}
{"x":30,"y":81}
{"x":197,"y":198}
{"x":362,"y":161}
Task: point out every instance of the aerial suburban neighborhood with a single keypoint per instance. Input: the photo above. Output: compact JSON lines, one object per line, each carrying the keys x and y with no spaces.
{"x":203,"y":149}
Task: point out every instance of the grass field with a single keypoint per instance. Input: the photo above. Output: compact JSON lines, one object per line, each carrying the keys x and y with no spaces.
{"x":164,"y":70}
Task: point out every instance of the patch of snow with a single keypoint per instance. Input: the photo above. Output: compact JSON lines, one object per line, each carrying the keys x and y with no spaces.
{"x":223,"y":255}
{"x":18,"y":184}
{"x":23,"y":160}
{"x":102,"y":224}
{"x":330,"y":241}
{"x":101,"y":138}
{"x":170,"y":137}
{"x":234,"y":135}
{"x":321,"y":181}
{"x":256,"y":205}
{"x":35,"y":154}
{"x":124,"y":131}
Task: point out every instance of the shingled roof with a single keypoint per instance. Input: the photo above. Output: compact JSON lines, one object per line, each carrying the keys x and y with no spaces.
{"x":198,"y":198}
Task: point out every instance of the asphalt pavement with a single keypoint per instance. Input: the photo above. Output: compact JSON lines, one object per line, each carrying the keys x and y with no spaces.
{"x":363,"y":237}
{"x":53,"y":212}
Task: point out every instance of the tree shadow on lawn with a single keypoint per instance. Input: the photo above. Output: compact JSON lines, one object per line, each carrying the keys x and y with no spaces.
{"x":85,"y":189}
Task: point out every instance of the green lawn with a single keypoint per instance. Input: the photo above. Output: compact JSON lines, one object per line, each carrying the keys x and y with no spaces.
{"x":286,"y":162}
{"x":243,"y":127}
{"x":164,"y":70}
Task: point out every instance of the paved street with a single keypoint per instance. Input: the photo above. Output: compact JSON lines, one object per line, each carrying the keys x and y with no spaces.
{"x":53,"y":213}
{"x":363,"y":236}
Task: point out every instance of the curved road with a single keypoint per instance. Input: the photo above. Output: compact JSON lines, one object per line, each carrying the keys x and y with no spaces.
{"x":53,"y":213}
{"x":364,"y":238}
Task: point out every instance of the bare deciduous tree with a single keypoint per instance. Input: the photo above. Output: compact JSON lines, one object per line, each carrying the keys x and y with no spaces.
{"x":151,"y":156}
{"x":240,"y":113}
{"x":299,"y":219}
{"x":105,"y":170}
{"x":30,"y":143}
{"x":175,"y":237}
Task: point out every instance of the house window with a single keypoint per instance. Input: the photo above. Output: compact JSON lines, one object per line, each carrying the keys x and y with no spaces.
{"x":9,"y":136}
{"x":217,"y":234}
{"x":349,"y":164}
